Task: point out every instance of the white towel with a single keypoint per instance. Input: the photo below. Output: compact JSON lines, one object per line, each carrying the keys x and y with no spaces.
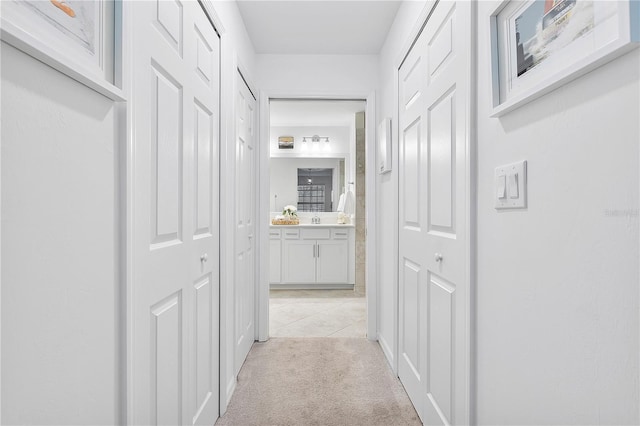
{"x":349,"y":203}
{"x":341,"y":203}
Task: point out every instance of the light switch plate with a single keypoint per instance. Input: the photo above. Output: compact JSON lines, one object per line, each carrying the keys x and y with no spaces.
{"x":501,"y":187}
{"x":516,"y":197}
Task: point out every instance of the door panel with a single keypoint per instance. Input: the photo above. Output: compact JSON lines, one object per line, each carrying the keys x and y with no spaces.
{"x":411,"y":175}
{"x":205,"y":360}
{"x":412,"y":258}
{"x":175,"y":287}
{"x":166,"y":155}
{"x":441,"y":341}
{"x":204,"y":127}
{"x":275,"y":261}
{"x":245,"y":221}
{"x":411,"y":317}
{"x":299,"y":262}
{"x":170,"y":20}
{"x":440,"y":164}
{"x":166,"y":346}
{"x":204,"y":54}
{"x":433,"y":279}
{"x":332,"y":262}
{"x":206,"y":58}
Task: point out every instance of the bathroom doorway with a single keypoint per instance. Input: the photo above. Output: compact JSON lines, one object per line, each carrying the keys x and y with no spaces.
{"x":317,"y":207}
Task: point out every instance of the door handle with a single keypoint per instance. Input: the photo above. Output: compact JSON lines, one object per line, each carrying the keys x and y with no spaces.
{"x":204,"y":257}
{"x":251,"y":236}
{"x":438,"y":257}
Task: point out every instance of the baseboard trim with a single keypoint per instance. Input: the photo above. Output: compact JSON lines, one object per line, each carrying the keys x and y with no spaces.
{"x":311,"y":286}
{"x":386,"y":349}
{"x":231,"y":388}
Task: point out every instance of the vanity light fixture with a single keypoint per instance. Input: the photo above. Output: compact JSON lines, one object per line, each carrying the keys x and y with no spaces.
{"x":315,"y":138}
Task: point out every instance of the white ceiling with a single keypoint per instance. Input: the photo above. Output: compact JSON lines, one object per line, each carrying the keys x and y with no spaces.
{"x":314,"y":113}
{"x":318,"y":27}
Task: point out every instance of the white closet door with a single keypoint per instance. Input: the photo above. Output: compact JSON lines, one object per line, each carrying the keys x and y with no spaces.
{"x":175,"y":287}
{"x":412,"y":233}
{"x":434,"y":213}
{"x":245,"y":221}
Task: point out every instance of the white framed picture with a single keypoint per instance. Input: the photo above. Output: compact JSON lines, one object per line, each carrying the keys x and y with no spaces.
{"x":538,"y":45}
{"x":78,"y":33}
{"x":384,"y":146}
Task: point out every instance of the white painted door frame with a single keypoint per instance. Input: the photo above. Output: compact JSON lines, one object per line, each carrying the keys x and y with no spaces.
{"x":471,"y":194}
{"x":370,"y":212}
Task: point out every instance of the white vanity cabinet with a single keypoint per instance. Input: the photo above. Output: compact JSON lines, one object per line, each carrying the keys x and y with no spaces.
{"x":275,"y":256}
{"x":313,"y":257}
{"x":332,"y":265}
{"x":299,"y":261}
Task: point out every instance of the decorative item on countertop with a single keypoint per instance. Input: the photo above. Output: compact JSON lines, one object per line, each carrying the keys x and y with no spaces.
{"x":290,"y":211}
{"x":342,"y":218}
{"x":289,"y":216}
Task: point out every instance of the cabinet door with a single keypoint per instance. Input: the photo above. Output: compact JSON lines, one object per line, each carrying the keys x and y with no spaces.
{"x":299,"y":262}
{"x":275,"y":261}
{"x":333,"y":261}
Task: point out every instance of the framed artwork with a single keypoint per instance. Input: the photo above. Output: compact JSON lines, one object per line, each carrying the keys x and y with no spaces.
{"x":78,"y":33}
{"x":384,"y":146}
{"x":285,"y":142}
{"x":538,"y":45}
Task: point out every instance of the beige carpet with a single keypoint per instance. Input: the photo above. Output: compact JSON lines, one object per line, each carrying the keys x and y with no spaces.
{"x":318,"y":381}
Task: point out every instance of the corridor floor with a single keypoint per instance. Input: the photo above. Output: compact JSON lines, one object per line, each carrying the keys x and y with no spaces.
{"x":316,"y":313}
{"x":318,"y":381}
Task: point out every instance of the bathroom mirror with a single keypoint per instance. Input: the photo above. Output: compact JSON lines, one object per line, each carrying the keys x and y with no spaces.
{"x":311,"y":184}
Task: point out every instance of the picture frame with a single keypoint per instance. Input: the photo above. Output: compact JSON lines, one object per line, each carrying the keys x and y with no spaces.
{"x":77,"y":37}
{"x":285,"y":142}
{"x":384,"y":146}
{"x":539,"y":45}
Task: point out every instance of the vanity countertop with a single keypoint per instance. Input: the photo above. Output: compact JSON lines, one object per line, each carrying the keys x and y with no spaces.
{"x":315,"y":225}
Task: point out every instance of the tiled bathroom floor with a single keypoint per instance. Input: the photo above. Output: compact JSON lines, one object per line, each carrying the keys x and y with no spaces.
{"x":316,"y":313}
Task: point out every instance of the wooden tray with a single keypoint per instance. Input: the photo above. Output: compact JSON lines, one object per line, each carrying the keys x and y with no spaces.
{"x":285,"y":222}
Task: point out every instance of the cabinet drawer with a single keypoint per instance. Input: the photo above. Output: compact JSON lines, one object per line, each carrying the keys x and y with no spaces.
{"x":340,"y":234}
{"x":316,"y":234}
{"x":274,"y":234}
{"x":291,"y":234}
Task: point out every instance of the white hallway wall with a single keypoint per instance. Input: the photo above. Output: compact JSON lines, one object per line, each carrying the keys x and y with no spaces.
{"x":557,"y":292}
{"x":61,"y":312}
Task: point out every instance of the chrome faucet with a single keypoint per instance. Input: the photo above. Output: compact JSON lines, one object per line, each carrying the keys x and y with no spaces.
{"x":315,"y":219}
